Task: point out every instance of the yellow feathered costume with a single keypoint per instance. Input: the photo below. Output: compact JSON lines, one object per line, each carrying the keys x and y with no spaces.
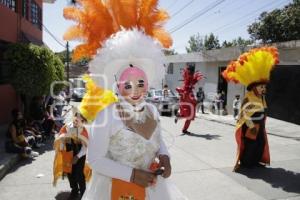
{"x":251,"y":68}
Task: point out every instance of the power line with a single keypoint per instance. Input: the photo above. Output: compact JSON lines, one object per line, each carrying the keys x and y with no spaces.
{"x":247,"y":16}
{"x":53,"y":36}
{"x":181,"y":9}
{"x":244,"y":21}
{"x":197,"y":15}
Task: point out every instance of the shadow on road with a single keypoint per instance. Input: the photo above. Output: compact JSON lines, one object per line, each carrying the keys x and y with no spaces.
{"x":205,"y":136}
{"x":64,"y":195}
{"x":276,"y":177}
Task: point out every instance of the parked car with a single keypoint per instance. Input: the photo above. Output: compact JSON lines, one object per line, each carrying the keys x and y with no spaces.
{"x":78,"y":93}
{"x":166,"y":102}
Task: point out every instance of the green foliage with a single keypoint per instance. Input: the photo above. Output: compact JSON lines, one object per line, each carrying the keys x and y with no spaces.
{"x":169,"y":52}
{"x":278,"y":25}
{"x":62,"y":56}
{"x":237,"y":42}
{"x":195,"y":44}
{"x":211,"y":42}
{"x":33,"y":68}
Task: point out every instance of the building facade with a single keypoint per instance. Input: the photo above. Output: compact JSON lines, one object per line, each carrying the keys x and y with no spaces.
{"x":282,"y":96}
{"x":20,"y":21}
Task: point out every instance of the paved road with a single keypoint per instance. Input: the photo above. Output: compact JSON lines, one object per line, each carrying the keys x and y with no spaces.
{"x":202,"y":168}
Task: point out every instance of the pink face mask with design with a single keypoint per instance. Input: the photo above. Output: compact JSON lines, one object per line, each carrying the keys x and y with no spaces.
{"x":133,"y":85}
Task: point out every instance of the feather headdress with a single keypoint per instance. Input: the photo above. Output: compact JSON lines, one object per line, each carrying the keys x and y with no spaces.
{"x":118,"y":33}
{"x":97,"y":20}
{"x":253,"y":66}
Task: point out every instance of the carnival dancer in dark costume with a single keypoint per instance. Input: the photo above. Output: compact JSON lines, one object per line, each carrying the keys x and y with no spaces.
{"x":252,"y":69}
{"x":187,"y":101}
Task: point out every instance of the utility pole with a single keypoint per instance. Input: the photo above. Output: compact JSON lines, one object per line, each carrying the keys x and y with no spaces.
{"x":68,"y":68}
{"x":68,"y":61}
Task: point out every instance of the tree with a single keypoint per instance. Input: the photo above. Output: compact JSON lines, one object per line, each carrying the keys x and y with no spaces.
{"x":237,"y":42}
{"x":169,"y":52}
{"x":278,"y":25}
{"x":33,"y":69}
{"x":211,"y":42}
{"x":62,"y":56}
{"x":195,"y":44}
{"x":227,"y":44}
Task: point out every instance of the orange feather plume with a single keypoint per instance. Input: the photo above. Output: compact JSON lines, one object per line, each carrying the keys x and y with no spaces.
{"x":97,"y":20}
{"x":124,"y":12}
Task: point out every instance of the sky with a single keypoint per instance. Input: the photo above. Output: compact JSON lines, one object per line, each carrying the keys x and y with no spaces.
{"x":227,"y":19}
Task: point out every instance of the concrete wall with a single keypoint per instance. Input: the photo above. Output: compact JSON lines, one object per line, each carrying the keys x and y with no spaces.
{"x":7,"y":102}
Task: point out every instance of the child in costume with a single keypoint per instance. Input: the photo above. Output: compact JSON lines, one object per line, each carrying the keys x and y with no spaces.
{"x":187,"y":101}
{"x":70,"y":146}
{"x":126,"y":152}
{"x":252,"y":69}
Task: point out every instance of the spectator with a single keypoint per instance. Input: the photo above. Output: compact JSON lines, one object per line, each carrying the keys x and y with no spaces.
{"x":51,"y":126}
{"x":165,"y":91}
{"x":218,"y":102}
{"x":223,"y":103}
{"x":30,"y":131}
{"x":236,"y":106}
{"x":17,"y":142}
{"x":37,"y":109}
{"x":59,"y":100}
{"x":200,"y":99}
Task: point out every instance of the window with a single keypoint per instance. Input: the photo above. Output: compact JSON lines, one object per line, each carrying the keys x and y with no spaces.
{"x":34,"y":13}
{"x":9,"y":3}
{"x":170,"y":68}
{"x":25,"y":8}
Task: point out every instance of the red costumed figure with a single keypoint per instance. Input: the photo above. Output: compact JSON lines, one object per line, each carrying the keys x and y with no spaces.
{"x":187,"y":101}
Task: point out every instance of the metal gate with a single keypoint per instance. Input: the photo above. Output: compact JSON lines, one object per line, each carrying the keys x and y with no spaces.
{"x":283,"y":96}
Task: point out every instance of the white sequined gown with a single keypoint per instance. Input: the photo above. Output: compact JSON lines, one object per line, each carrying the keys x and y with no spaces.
{"x":114,"y":150}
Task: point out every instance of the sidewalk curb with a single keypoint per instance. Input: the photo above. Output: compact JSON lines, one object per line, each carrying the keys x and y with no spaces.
{"x":230,"y":124}
{"x":214,"y":120}
{"x":8,"y":164}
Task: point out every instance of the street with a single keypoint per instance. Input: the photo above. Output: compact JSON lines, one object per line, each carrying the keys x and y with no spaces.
{"x":202,"y":168}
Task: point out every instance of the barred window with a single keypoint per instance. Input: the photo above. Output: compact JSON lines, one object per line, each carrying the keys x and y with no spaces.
{"x":9,"y":3}
{"x":36,"y":14}
{"x":25,"y":9}
{"x":170,"y":69}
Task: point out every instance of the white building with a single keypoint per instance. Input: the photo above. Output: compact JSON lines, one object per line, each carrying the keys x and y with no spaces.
{"x":212,"y":63}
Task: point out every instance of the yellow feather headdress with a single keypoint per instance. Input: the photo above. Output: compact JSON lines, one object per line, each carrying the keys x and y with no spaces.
{"x":97,"y":20}
{"x":253,"y":66}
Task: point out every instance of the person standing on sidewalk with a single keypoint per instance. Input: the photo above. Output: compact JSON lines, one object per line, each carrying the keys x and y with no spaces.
{"x":200,"y":99}
{"x":70,"y":146}
{"x":252,"y":69}
{"x":236,"y":106}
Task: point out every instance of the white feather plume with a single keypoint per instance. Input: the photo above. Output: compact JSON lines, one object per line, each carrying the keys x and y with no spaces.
{"x":122,"y":49}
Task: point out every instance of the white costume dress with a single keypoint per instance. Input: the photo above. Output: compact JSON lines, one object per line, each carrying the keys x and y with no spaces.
{"x":114,"y":151}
